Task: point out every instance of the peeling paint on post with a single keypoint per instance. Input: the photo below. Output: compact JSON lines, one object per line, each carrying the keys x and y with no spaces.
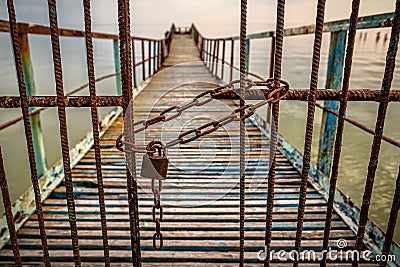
{"x":37,"y":134}
{"x":117,"y":64}
{"x":333,"y":81}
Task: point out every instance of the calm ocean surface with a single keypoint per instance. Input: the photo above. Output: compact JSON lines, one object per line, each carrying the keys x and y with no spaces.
{"x":368,"y":68}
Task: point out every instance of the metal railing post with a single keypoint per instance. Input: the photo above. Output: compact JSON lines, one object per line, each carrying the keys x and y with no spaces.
{"x":216,"y":59}
{"x":117,"y":64}
{"x":162,"y":52}
{"x":271,"y":74}
{"x":272,"y":57}
{"x":202,"y":49}
{"x":154,"y":56}
{"x":333,"y":81}
{"x":232,"y":58}
{"x":133,"y":64}
{"x":213,"y":56}
{"x":158,"y":55}
{"x":37,"y":135}
{"x":209,"y":42}
{"x":223,"y":59}
{"x":143,"y":62}
{"x":149,"y":55}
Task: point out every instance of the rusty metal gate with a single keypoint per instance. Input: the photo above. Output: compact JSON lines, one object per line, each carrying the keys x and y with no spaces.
{"x":274,"y":90}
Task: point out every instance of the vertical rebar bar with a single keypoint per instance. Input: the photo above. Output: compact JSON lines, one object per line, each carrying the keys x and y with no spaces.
{"x":62,"y":116}
{"x":8,"y":211}
{"x":319,"y":23}
{"x":280,"y":21}
{"x":380,"y":122}
{"x":27,"y":129}
{"x":340,"y":126}
{"x":95,"y":127}
{"x":243,"y":59}
{"x":125,"y":52}
{"x":394,"y":212}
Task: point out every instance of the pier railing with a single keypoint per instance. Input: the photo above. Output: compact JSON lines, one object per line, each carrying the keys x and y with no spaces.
{"x":152,"y":53}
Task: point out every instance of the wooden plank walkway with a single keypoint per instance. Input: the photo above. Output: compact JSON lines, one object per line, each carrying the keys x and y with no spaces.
{"x":200,"y":197}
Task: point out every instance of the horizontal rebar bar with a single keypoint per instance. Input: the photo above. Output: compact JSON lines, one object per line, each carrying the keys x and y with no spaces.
{"x":258,"y":94}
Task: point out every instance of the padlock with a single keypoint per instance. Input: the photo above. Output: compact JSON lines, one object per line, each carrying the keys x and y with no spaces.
{"x":155,"y":166}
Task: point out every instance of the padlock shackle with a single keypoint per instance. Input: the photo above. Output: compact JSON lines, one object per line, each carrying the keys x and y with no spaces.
{"x":156,"y":145}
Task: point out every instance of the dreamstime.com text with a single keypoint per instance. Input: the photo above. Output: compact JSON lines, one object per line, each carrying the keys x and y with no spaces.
{"x":338,"y":254}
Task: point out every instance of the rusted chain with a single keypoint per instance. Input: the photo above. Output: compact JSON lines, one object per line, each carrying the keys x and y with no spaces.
{"x":62,"y":116}
{"x":158,"y":239}
{"x":239,"y":114}
{"x":380,"y":122}
{"x":28,"y":130}
{"x":8,"y":211}
{"x":95,"y":128}
{"x":198,"y":100}
{"x":310,"y":124}
{"x":340,"y":127}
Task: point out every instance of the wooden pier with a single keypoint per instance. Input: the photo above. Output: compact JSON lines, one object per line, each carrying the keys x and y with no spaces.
{"x":200,"y":197}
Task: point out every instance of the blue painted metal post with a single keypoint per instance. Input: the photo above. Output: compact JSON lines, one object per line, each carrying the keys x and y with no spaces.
{"x":333,"y":81}
{"x":37,"y":134}
{"x":247,"y":54}
{"x":117,"y":64}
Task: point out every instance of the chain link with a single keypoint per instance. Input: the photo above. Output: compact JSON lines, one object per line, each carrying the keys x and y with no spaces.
{"x":157,"y":237}
{"x":280,"y":90}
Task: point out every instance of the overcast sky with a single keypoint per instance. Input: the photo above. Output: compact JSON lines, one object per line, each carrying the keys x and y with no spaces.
{"x":204,"y":13}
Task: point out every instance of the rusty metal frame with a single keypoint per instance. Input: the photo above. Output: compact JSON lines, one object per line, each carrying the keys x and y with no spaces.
{"x":352,"y":215}
{"x":25,"y":205}
{"x":343,"y":205}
